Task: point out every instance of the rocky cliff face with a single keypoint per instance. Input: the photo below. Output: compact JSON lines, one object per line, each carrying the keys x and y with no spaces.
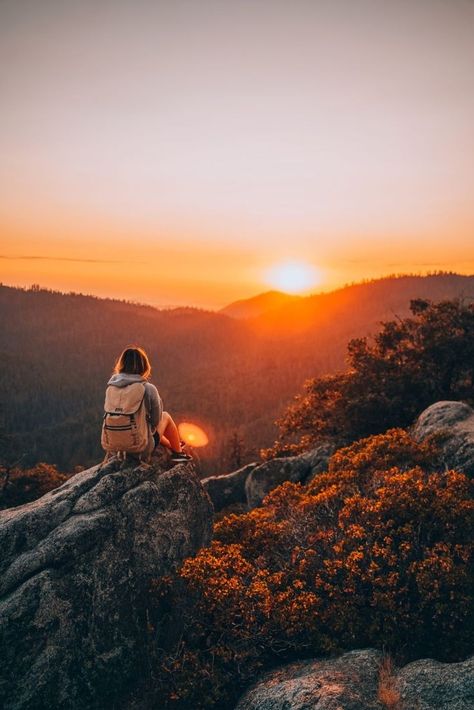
{"x":75,"y":567}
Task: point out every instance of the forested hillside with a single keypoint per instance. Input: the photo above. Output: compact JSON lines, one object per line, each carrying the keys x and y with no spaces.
{"x":233,"y":377}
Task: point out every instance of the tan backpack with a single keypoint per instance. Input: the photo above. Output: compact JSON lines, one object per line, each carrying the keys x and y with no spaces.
{"x":125,"y":426}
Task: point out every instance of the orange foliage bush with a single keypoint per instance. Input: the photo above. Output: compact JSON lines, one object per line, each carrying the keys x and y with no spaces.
{"x":394,"y":448}
{"x":376,"y":552}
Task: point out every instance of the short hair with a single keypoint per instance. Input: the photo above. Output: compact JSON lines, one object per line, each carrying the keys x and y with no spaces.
{"x":134,"y":361}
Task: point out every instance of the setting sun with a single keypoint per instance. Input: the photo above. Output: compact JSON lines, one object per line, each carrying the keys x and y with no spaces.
{"x":293,"y":276}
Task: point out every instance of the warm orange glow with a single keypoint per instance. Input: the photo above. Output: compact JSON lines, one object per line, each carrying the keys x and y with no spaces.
{"x":293,"y":276}
{"x":192,"y":434}
{"x":172,"y":158}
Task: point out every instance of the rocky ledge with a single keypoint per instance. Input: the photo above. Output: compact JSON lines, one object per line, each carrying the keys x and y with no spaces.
{"x":74,"y":571}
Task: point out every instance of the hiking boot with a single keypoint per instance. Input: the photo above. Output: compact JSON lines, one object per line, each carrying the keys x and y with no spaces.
{"x":180,"y":456}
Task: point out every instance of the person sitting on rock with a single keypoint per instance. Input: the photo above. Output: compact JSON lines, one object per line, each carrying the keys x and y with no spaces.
{"x":134,"y":366}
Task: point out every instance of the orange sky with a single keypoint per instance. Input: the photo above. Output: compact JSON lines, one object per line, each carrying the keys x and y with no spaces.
{"x":170,"y":152}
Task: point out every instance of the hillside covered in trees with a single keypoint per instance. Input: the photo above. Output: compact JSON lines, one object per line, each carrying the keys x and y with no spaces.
{"x":232,"y":376}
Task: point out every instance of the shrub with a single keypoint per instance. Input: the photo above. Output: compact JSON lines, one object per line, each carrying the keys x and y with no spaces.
{"x":376,"y":552}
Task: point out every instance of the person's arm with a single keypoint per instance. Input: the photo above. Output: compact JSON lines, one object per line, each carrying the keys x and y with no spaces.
{"x":156,"y":404}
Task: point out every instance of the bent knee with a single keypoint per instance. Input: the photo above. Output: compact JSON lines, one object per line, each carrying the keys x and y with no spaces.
{"x":163,"y":423}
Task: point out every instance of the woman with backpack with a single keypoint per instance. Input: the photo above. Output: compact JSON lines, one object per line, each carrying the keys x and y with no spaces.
{"x":134,"y":420}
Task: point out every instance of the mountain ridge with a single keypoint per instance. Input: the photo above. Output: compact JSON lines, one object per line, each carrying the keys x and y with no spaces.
{"x":257,"y":305}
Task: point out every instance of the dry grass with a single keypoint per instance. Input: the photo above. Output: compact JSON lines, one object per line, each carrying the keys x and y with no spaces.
{"x":388,"y":694}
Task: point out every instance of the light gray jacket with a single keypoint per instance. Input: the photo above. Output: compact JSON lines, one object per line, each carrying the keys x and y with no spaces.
{"x":153,"y":401}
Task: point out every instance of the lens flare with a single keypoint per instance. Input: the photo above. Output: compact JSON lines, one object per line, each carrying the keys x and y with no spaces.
{"x":192,"y":434}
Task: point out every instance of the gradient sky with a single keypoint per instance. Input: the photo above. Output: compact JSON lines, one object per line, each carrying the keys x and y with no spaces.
{"x":171,"y":152}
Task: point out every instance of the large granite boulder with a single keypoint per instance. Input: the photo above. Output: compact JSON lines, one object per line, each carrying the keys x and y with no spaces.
{"x":273,"y":473}
{"x":251,"y":483}
{"x":346,"y":683}
{"x":74,"y":572}
{"x":229,"y":488}
{"x":363,"y":680}
{"x":297,"y":469}
{"x":318,"y":459}
{"x":430,"y":685}
{"x":452,"y":423}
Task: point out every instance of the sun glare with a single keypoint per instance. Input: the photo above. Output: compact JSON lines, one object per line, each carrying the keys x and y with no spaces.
{"x":293,"y":276}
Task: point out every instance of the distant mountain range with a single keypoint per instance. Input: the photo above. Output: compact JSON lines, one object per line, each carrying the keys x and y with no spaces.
{"x":258,"y":305}
{"x":377,"y":299}
{"x":232,"y":372}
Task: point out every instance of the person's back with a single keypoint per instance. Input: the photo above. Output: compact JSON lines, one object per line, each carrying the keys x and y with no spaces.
{"x":153,"y":401}
{"x":137,"y":423}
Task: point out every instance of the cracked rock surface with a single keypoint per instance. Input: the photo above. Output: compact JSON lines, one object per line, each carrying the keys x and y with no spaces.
{"x":74,"y":569}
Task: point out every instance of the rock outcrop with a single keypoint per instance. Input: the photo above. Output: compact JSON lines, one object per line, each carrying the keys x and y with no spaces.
{"x":359,"y":680}
{"x":228,"y":489}
{"x":75,"y":568}
{"x":346,"y":683}
{"x":452,"y":423}
{"x":250,"y":484}
{"x":273,"y":473}
{"x":298,"y":469}
{"x":430,"y":685}
{"x":318,"y":459}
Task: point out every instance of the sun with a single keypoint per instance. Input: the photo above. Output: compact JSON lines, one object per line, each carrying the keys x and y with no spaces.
{"x":293,"y":276}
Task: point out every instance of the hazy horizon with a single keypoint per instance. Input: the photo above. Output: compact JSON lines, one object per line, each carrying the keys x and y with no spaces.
{"x":176,"y":152}
{"x":264,"y":291}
